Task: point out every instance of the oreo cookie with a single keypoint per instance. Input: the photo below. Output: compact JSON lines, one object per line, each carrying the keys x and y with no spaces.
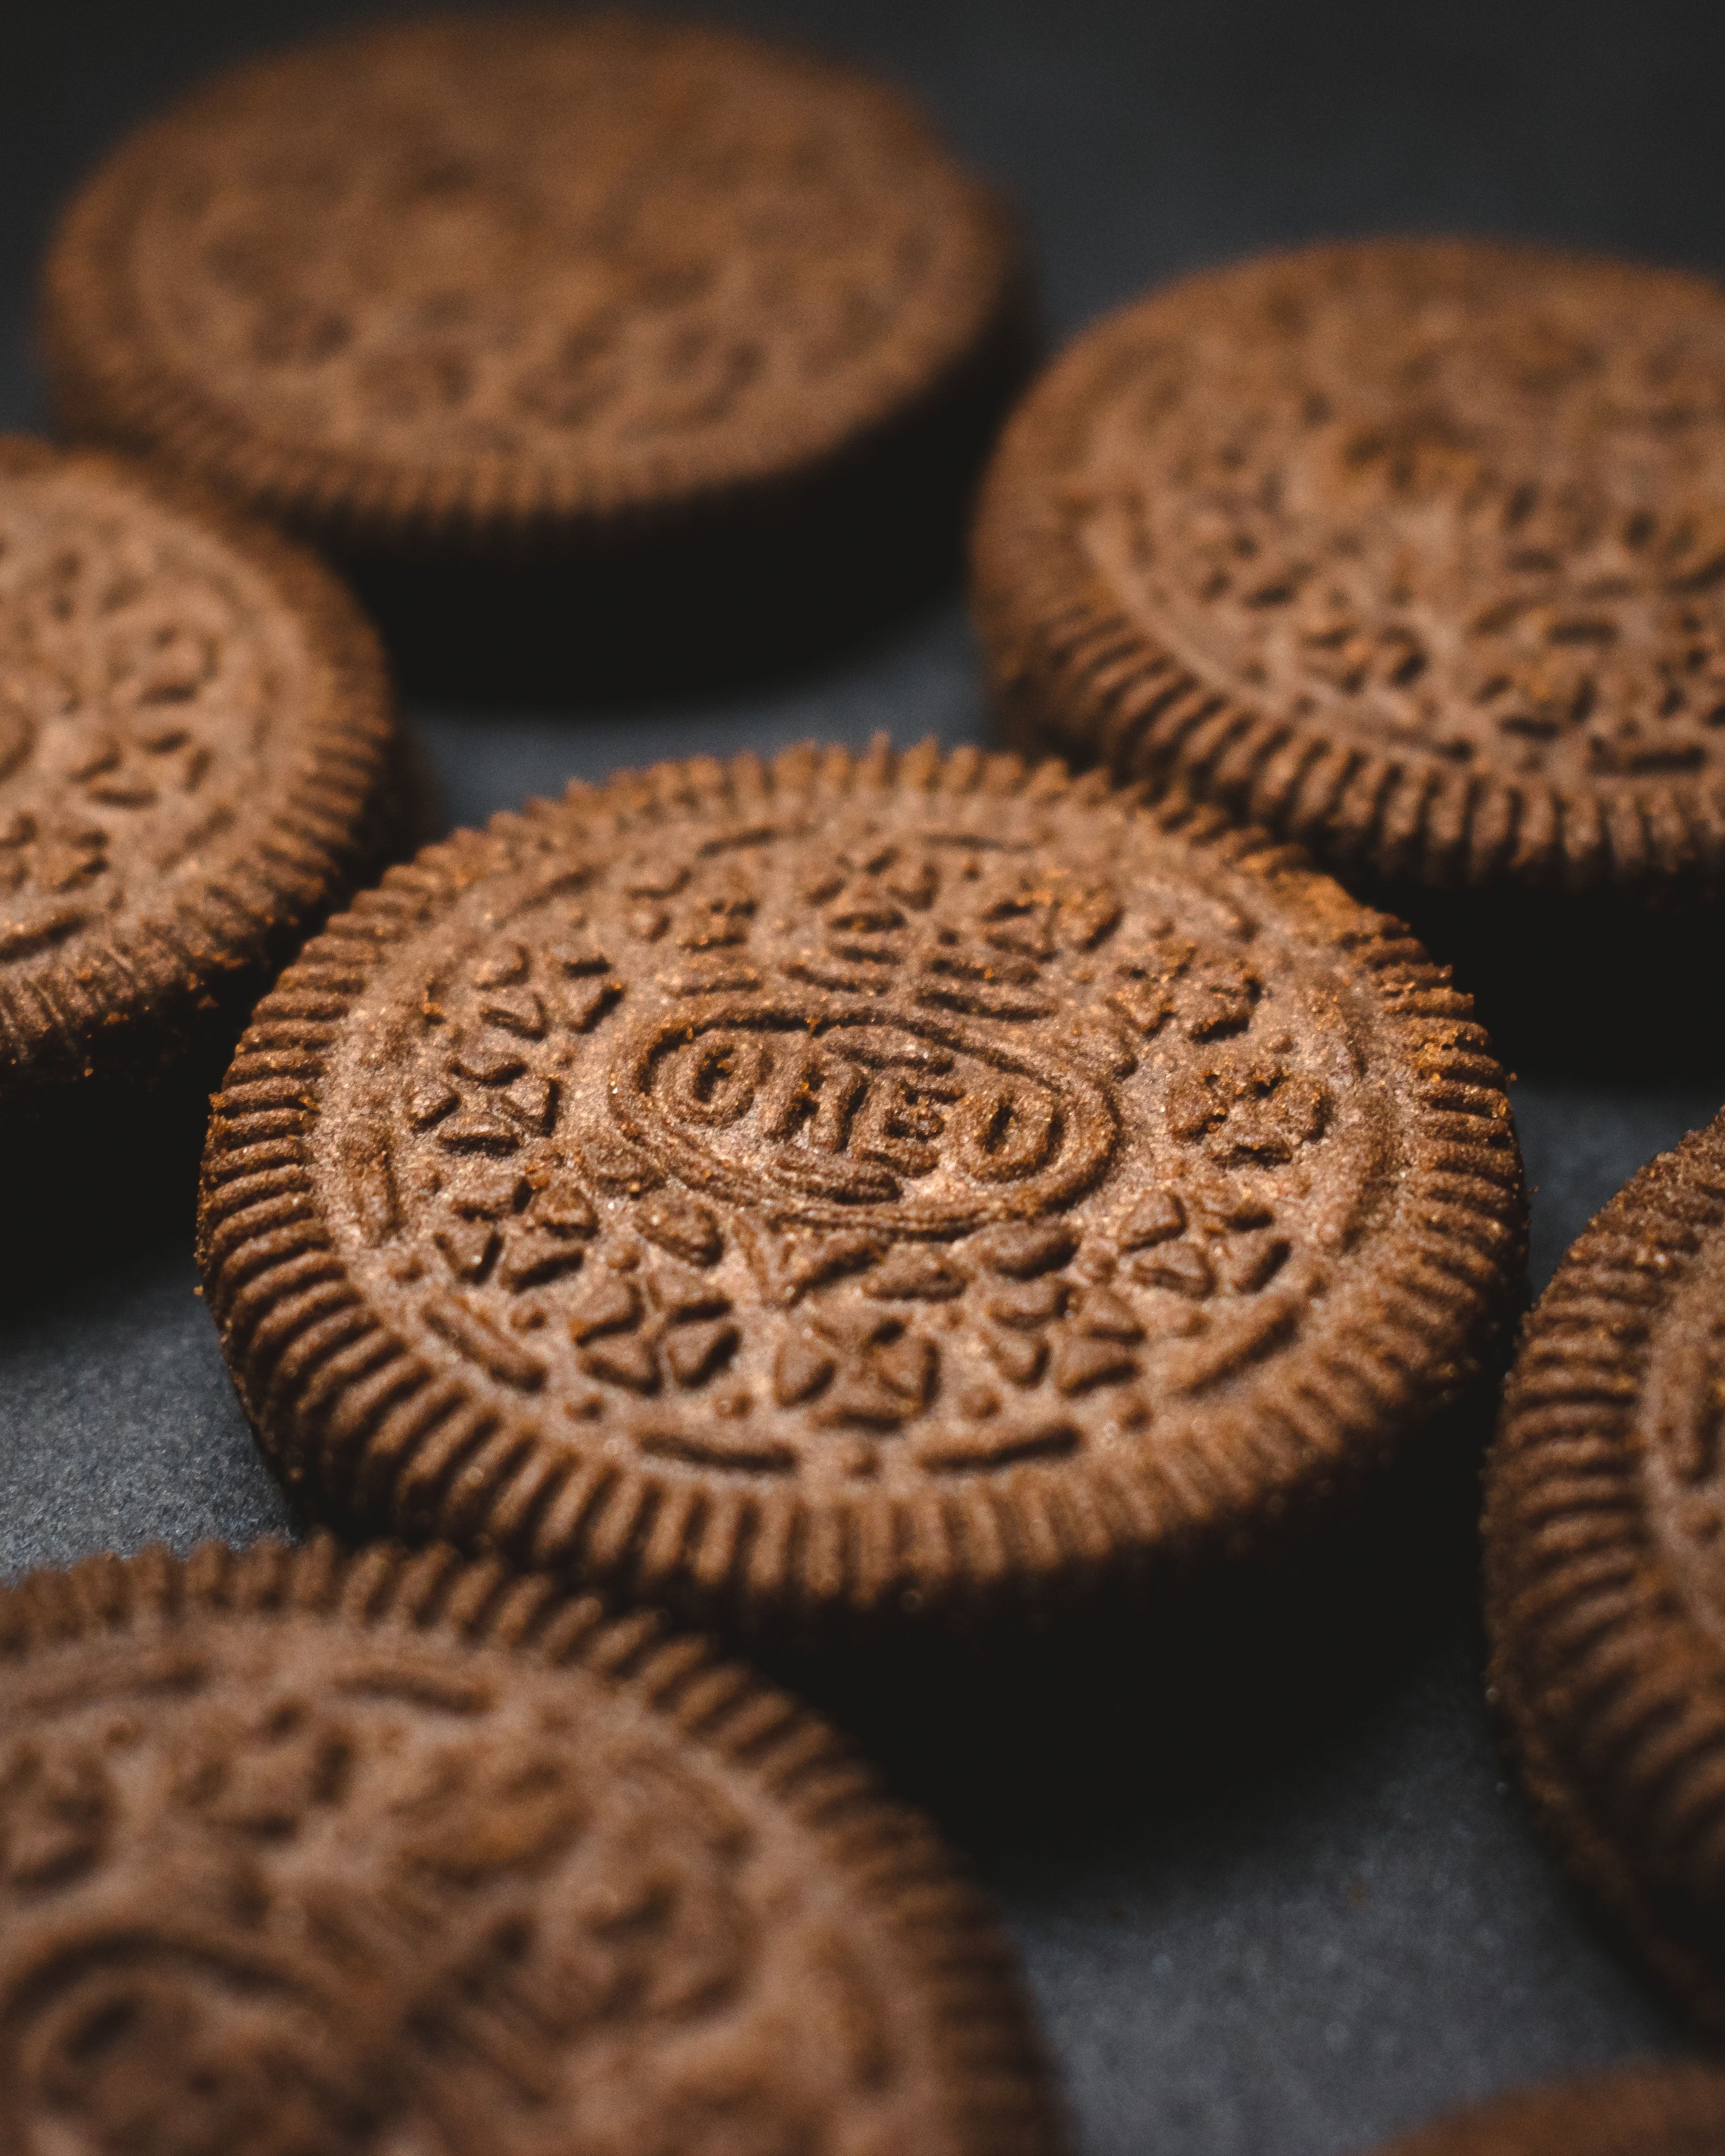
{"x":1605,"y":1567}
{"x":556,"y":327}
{"x":313,"y":1852}
{"x":1409,"y":549}
{"x":856,"y":1193}
{"x":197,"y":759}
{"x":1666,"y":2109}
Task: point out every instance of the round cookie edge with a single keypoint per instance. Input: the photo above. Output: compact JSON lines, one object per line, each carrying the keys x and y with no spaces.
{"x":333,"y":830}
{"x":410,"y":1451}
{"x":1000,"y":2090}
{"x":1605,"y":1597}
{"x":1601,"y":2114}
{"x":107,"y":388}
{"x":1072,"y":673}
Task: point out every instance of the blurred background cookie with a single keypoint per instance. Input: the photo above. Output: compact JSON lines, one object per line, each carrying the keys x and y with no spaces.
{"x":601,"y":352}
{"x":1605,"y":1567}
{"x":311,"y":1851}
{"x":1663,"y":2110}
{"x":1413,"y":551}
{"x":197,"y":759}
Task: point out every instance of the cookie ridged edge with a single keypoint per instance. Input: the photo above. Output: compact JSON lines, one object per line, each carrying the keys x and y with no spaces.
{"x":360,"y":1429}
{"x":1674,"y":2107}
{"x":109,"y":387}
{"x":1611,"y":1696}
{"x":336,"y":818}
{"x":995,"y":2080}
{"x":1073,"y":673}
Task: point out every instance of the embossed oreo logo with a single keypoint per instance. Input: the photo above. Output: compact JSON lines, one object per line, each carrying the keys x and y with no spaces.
{"x":829,"y":1111}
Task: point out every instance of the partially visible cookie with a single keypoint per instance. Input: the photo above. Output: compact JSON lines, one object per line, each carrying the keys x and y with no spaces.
{"x":1653,"y":2110}
{"x":856,"y":1190}
{"x":313,"y":1853}
{"x":1411,"y":550}
{"x":666,"y":316}
{"x":197,"y":758}
{"x":1605,"y":1567}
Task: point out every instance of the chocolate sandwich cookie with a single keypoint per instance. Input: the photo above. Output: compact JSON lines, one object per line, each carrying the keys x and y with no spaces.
{"x":1605,"y":1567}
{"x":1409,"y":550}
{"x":863,"y":1189}
{"x":197,"y":758}
{"x":1653,"y":2110}
{"x":642,"y":318}
{"x":310,"y":1853}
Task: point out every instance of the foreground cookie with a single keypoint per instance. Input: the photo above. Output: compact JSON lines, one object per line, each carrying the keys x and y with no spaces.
{"x":309,"y":1852}
{"x":1664,"y":2110}
{"x":1606,"y":1568}
{"x":873,"y":1187}
{"x":1411,"y":550}
{"x":196,"y":758}
{"x":620,"y":297}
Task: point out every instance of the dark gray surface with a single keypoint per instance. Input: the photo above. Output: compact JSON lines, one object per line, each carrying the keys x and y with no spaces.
{"x":1354,"y":1929}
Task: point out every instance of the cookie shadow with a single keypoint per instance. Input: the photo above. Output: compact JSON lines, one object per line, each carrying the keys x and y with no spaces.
{"x":537,"y":630}
{"x":1577,"y":987}
{"x":732,"y":590}
{"x":100,"y":1180}
{"x":1184,"y":1703}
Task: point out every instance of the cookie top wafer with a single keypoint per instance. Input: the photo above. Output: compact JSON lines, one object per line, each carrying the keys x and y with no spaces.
{"x":508,"y":272}
{"x":874,"y":1186}
{"x":197,"y":757}
{"x":1605,"y":1548}
{"x":305,"y":1852}
{"x":1411,"y":550}
{"x":1653,"y":2110}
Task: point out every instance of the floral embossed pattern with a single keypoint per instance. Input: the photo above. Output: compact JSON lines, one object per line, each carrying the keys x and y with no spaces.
{"x":1423,"y":543}
{"x":138,"y":691}
{"x":193,"y":729}
{"x":875,"y":1145}
{"x":286,"y":1876}
{"x":855,"y":1138}
{"x":589,"y":252}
